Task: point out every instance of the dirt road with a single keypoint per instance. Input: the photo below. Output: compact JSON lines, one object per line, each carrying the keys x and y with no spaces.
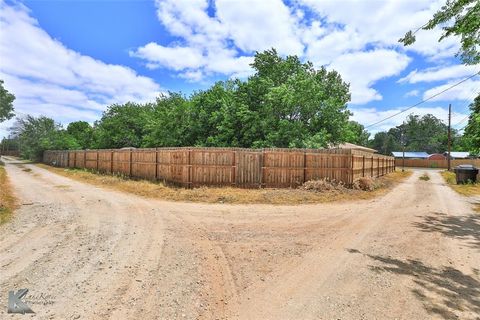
{"x":89,"y":253}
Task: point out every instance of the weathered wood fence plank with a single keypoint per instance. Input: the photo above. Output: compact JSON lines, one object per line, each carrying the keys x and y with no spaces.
{"x":244,"y":168}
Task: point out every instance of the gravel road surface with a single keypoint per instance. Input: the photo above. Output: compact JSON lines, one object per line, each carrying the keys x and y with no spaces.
{"x":90,"y":253}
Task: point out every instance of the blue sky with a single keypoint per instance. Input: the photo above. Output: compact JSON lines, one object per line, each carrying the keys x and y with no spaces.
{"x":69,"y":60}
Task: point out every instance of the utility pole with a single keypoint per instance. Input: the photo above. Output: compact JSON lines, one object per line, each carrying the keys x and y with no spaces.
{"x":449,"y":134}
{"x":402,"y":140}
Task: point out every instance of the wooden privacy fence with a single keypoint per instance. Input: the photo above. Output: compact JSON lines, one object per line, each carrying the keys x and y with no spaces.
{"x":244,"y":168}
{"x":12,"y":153}
{"x":426,"y":163}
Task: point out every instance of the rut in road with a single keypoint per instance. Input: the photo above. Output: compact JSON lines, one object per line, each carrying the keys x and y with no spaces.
{"x":93,"y":253}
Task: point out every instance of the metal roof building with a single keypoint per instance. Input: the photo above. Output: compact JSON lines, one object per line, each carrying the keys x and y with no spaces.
{"x":348,"y":145}
{"x":458,"y":155}
{"x":410,"y":154}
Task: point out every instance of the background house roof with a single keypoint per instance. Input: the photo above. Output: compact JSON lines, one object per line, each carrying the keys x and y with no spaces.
{"x":348,"y":145}
{"x":457,"y":154}
{"x":410,"y":154}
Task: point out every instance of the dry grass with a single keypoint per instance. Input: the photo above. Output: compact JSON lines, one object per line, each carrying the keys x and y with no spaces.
{"x":469,"y":189}
{"x":7,"y":200}
{"x":227,"y":194}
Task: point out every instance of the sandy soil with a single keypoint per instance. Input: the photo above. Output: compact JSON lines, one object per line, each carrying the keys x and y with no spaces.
{"x":89,"y":253}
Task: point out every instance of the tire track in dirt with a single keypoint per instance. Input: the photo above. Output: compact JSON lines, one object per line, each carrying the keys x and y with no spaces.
{"x":107,"y":255}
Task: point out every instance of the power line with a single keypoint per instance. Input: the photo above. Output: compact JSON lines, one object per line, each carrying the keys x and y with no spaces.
{"x":456,"y":124}
{"x":466,"y":117}
{"x":425,"y":100}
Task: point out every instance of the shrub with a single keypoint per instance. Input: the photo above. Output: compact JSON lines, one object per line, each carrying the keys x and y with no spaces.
{"x":424,"y":177}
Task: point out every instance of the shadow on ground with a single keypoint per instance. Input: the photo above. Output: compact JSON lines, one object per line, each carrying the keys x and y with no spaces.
{"x":444,"y":292}
{"x":466,"y":228}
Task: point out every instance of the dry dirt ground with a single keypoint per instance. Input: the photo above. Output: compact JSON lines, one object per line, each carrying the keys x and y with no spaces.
{"x":89,"y":253}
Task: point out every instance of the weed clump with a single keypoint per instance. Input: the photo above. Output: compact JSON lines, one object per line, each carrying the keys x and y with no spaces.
{"x":323,"y":185}
{"x":365,"y":184}
{"x":424,"y":177}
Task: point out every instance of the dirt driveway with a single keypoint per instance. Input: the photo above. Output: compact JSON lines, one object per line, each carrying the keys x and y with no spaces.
{"x":89,"y":253}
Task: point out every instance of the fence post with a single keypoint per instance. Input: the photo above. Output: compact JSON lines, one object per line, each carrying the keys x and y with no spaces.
{"x":130,"y":164}
{"x":84,"y":159}
{"x":111,"y":161}
{"x":363,"y":166}
{"x":262,"y":160}
{"x":234,"y":167}
{"x":352,"y":170}
{"x":156,"y":164}
{"x":378,"y":167}
{"x":371,"y":169}
{"x":97,"y":160}
{"x":189,"y":166}
{"x":304,"y":166}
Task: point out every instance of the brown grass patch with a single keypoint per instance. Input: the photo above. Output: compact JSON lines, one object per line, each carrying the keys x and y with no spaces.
{"x":227,"y":194}
{"x":468,"y":189}
{"x":7,"y":200}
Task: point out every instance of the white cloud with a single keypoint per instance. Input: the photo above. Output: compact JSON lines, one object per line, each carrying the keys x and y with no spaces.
{"x":357,"y":38}
{"x":440,"y":73}
{"x":177,"y":58}
{"x":259,"y":25}
{"x":465,"y":91}
{"x":220,"y":37}
{"x":412,"y":93}
{"x":363,"y":69}
{"x":48,"y":78}
{"x":382,"y":23}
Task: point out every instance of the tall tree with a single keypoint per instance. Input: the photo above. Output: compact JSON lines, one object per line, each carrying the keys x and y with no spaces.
{"x":82,"y":132}
{"x":356,"y":133}
{"x":471,"y":134}
{"x":36,"y":135}
{"x":290,"y":104}
{"x":168,"y":123}
{"x":426,"y":133}
{"x":457,"y":18}
{"x":122,"y":126}
{"x":385,"y":143}
{"x":6,"y":103}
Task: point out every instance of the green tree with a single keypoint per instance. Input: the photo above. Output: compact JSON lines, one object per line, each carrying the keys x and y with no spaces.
{"x":385,"y":143}
{"x":122,"y":126}
{"x":6,"y":103}
{"x":168,"y":123}
{"x":9,"y":144}
{"x":59,"y":140}
{"x":471,"y":135}
{"x":356,"y":133}
{"x":426,"y":133}
{"x":458,"y":18}
{"x":37,"y":134}
{"x":208,"y":110}
{"x":82,"y":132}
{"x":287,"y":103}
